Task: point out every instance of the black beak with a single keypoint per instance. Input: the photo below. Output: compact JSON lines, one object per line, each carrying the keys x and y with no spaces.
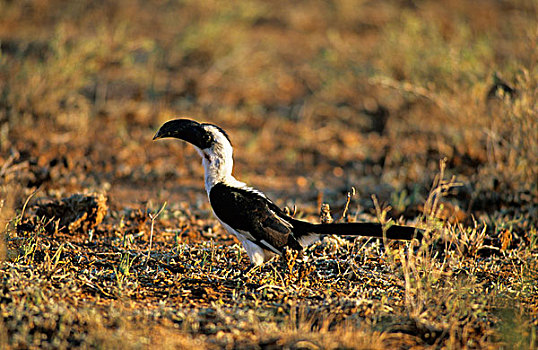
{"x":187,"y":130}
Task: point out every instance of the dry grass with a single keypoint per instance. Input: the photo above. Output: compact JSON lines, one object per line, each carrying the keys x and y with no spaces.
{"x":318,"y":97}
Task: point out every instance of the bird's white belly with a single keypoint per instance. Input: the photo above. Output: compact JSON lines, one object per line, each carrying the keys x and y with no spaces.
{"x":256,"y":254}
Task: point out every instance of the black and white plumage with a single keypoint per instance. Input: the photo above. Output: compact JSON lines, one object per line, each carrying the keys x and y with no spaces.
{"x":261,"y":226}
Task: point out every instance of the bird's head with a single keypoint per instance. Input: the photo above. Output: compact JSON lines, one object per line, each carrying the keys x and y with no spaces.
{"x":210,"y":140}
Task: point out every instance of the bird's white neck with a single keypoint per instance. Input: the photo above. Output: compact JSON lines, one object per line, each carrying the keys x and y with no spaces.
{"x":218,"y":165}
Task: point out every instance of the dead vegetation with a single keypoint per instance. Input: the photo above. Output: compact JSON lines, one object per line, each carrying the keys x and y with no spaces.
{"x":320,"y":98}
{"x":78,"y":213}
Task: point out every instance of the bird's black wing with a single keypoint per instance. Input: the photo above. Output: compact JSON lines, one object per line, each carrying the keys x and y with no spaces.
{"x":251,"y":214}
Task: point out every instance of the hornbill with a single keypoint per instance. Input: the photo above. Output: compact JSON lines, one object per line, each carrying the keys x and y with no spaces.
{"x":262,"y":227}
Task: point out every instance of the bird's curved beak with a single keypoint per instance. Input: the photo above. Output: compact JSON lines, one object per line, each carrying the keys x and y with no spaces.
{"x":184,"y":129}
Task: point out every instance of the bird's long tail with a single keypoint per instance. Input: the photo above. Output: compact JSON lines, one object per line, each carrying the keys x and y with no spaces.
{"x":365,"y":229}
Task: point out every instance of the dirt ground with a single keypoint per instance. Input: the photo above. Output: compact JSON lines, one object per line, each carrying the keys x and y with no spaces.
{"x":418,"y":112}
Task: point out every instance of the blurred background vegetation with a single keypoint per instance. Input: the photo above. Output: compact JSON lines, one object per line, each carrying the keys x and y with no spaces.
{"x":320,"y":88}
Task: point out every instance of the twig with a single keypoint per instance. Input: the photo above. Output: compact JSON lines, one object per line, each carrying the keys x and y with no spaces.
{"x":414,"y":90}
{"x":8,"y":163}
{"x":153,"y":217}
{"x":27,"y":201}
{"x":349,"y":195}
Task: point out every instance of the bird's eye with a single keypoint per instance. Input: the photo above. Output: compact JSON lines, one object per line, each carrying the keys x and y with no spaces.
{"x":207,"y":140}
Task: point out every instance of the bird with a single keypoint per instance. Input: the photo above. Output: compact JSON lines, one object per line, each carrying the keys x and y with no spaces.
{"x":263,"y":228}
{"x":500,"y":88}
